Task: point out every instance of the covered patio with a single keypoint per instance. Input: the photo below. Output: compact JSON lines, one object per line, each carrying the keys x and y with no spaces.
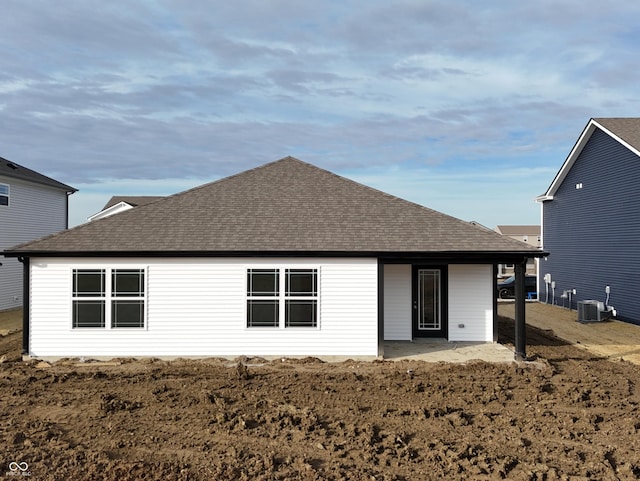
{"x":441,"y":350}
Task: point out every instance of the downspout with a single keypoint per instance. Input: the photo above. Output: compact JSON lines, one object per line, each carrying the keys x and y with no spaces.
{"x":521,"y":325}
{"x":380,"y":309}
{"x":26,"y":303}
{"x":66,"y":222}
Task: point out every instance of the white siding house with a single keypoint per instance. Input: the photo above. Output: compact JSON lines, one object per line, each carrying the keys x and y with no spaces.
{"x":208,"y":297}
{"x":283,"y":260}
{"x":397,"y":302}
{"x":471,"y":303}
{"x":31,"y":206}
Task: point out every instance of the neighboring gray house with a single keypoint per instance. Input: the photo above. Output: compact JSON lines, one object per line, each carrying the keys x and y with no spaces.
{"x":119,"y":204}
{"x":591,"y":220}
{"x":31,"y":206}
{"x":286,"y":259}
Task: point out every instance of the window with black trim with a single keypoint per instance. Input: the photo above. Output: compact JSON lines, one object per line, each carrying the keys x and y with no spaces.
{"x":4,"y":194}
{"x":116,"y":294}
{"x":282,"y":298}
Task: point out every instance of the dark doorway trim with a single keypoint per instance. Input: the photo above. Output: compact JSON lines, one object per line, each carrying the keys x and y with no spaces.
{"x":444,"y":300}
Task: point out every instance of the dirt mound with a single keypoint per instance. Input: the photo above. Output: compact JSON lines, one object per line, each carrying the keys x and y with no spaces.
{"x":566,"y":416}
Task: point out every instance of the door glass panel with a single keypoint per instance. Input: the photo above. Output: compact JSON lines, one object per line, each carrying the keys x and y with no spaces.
{"x":429,"y":300}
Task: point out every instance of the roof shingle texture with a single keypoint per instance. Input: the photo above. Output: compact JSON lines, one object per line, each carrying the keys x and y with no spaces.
{"x":283,"y":206}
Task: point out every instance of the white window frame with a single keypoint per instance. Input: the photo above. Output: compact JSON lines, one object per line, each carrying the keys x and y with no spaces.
{"x":108,"y":298}
{"x":6,"y":194}
{"x":282,"y":297}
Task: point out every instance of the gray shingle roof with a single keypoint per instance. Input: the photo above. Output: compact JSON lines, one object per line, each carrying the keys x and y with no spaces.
{"x":628,"y":129}
{"x":17,"y":171}
{"x":286,"y":206}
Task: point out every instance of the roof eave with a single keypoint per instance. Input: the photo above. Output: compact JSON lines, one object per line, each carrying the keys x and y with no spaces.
{"x":570,"y":160}
{"x":54,"y":184}
{"x":497,"y":255}
{"x":588,"y":131}
{"x":108,"y":211}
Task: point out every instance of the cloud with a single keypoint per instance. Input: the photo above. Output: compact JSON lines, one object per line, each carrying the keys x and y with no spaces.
{"x":174,"y":89}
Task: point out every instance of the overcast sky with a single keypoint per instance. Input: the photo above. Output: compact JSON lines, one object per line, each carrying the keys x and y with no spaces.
{"x":466,"y":107}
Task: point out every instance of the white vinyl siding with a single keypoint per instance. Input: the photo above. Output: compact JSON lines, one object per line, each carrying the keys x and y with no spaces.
{"x":471,"y":291}
{"x":197,"y":307}
{"x":34,"y":211}
{"x":397,"y":303}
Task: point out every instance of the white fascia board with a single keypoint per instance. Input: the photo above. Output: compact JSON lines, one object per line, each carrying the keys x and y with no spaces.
{"x":575,"y":152}
{"x":114,"y":209}
{"x":568,"y":163}
{"x":614,"y":136}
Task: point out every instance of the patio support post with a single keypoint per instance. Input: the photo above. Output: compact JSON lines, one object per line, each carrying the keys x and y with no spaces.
{"x":495,"y":303}
{"x":520,"y":328}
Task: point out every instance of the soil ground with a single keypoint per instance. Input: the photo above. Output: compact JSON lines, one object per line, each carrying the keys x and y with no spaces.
{"x":611,"y":339}
{"x":569,"y":414}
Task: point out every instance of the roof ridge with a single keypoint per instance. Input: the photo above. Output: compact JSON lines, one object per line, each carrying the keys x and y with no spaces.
{"x":287,"y":205}
{"x":188,"y":191}
{"x":232,"y":176}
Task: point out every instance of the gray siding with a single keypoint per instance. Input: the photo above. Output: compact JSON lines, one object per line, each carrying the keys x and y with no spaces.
{"x":593,"y":233}
{"x":34,"y":211}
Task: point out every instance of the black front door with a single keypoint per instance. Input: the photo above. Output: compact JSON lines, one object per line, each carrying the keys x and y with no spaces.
{"x":428,"y":300}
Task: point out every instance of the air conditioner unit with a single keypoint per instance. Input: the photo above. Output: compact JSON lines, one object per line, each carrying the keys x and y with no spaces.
{"x":593,"y":311}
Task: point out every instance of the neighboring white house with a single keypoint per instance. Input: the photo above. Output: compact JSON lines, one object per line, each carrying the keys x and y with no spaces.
{"x":284,"y":259}
{"x":119,"y":204}
{"x":529,"y":234}
{"x":31,"y":206}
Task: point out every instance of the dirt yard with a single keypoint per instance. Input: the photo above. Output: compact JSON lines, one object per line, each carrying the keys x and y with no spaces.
{"x":568,"y":415}
{"x":610,"y":339}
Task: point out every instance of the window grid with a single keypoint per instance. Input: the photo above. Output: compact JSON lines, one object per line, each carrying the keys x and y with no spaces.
{"x":301,"y":293}
{"x":114,"y":294}
{"x":263,"y":293}
{"x":127,"y":305}
{"x":291,"y":302}
{"x":263,"y":313}
{"x":88,"y":298}
{"x":263,"y":282}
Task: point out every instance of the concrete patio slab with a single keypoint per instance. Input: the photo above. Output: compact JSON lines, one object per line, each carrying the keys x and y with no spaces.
{"x":441,"y":350}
